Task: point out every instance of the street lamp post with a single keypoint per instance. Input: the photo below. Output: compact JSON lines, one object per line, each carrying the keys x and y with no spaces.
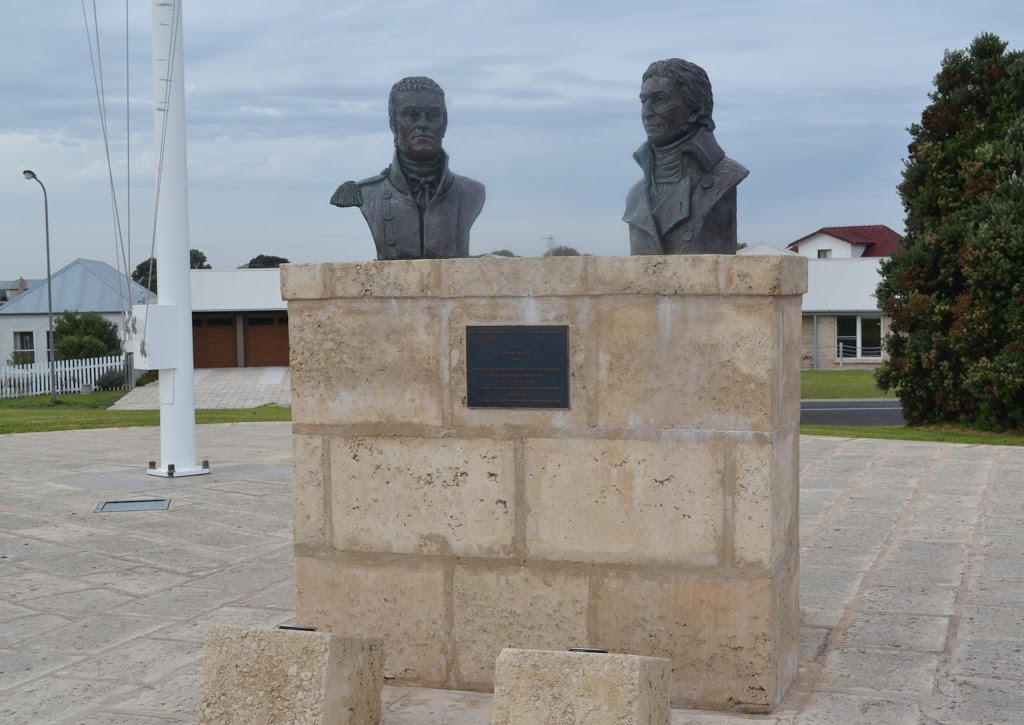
{"x":51,"y":353}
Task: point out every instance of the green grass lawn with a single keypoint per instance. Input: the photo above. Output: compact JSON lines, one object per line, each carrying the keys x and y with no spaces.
{"x":933,"y":434}
{"x":72,"y":412}
{"x":823,"y":384}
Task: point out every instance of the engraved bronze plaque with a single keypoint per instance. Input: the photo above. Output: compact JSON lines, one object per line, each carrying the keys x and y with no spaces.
{"x":517,"y":366}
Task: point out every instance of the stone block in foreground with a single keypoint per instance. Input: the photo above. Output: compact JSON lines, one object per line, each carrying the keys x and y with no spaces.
{"x":534,"y":687}
{"x":268,"y":676}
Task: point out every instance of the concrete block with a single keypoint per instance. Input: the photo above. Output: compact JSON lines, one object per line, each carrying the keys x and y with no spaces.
{"x":510,"y":606}
{"x":423,"y":496}
{"x":270,"y":676}
{"x":535,"y":687}
{"x":625,"y":501}
{"x":345,"y":372}
{"x":402,"y":602}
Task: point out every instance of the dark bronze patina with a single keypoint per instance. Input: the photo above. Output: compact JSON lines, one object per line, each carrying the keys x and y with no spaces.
{"x":416,"y":208}
{"x":686,"y":202}
{"x":517,"y":366}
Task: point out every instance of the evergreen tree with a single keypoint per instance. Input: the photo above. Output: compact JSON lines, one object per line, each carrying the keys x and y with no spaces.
{"x":266,"y":261}
{"x":85,"y":335}
{"x":955,"y":292}
{"x":561,"y":251}
{"x":147,"y":278}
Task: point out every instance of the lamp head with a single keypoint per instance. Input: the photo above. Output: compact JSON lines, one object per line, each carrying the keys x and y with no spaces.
{"x":29,"y":174}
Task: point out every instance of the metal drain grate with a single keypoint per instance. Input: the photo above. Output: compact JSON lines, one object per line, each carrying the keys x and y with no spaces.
{"x":137,"y":504}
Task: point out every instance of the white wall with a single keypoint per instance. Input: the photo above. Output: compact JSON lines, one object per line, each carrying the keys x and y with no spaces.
{"x":840,"y":249}
{"x":842,"y":285}
{"x":236,"y":290}
{"x":38,"y":325}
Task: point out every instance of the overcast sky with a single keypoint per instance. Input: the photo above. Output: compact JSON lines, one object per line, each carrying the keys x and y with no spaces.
{"x":287,"y":100}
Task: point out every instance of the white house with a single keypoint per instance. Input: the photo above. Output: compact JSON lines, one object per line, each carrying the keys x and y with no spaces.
{"x":85,"y":285}
{"x":876,"y":240}
{"x":842,"y":323}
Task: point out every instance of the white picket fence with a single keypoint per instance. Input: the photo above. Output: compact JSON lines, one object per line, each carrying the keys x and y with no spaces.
{"x":21,"y":381}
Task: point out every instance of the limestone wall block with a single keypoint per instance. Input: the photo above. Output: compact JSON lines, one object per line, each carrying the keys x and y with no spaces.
{"x":303,"y":281}
{"x":789,"y":320}
{"x":687,"y":362}
{"x":534,"y":687}
{"x":524,"y":277}
{"x":408,"y":278}
{"x":402,"y":602}
{"x":423,"y":495}
{"x":657,"y":275}
{"x":511,"y":606}
{"x":700,"y":275}
{"x":781,"y":276}
{"x":308,"y":487}
{"x":766,"y":500}
{"x":625,"y":501}
{"x":265,"y":677}
{"x":345,"y":371}
{"x":786,"y":616}
{"x":574,"y":312}
{"x":717,"y":631}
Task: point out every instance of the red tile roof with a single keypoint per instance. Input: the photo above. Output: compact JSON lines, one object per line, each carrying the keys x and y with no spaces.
{"x":878,"y":239}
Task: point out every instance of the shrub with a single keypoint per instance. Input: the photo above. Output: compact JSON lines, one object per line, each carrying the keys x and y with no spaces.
{"x":150,"y":376}
{"x":112,"y":379}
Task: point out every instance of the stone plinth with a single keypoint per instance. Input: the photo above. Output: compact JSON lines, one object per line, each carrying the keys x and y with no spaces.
{"x":266,"y":676}
{"x":538,"y":686}
{"x":657,"y":515}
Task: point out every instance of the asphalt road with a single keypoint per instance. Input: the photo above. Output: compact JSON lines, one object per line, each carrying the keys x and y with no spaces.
{"x":851,"y":412}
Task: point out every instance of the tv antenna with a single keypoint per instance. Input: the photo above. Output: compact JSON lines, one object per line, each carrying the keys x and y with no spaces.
{"x":550,"y":241}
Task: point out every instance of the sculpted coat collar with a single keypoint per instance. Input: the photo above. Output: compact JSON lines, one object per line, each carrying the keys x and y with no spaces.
{"x":697,"y":214}
{"x":702,"y":146}
{"x":398,"y":180}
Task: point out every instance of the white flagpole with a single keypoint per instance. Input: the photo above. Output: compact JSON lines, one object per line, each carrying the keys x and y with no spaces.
{"x":168,"y":327}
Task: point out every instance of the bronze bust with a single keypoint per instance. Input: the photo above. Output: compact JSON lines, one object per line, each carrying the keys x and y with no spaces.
{"x":686,"y":201}
{"x":416,"y":208}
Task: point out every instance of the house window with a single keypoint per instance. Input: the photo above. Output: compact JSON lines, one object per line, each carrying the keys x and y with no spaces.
{"x":824,"y":253}
{"x":858,"y":336}
{"x":24,"y":348}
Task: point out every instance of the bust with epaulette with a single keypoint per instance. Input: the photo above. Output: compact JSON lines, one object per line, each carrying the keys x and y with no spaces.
{"x":416,"y":208}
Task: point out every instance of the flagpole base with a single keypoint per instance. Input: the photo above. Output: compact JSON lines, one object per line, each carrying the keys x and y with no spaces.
{"x":173,"y":471}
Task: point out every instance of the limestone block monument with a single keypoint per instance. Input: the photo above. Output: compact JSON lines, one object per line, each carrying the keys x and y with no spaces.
{"x":552,"y":453}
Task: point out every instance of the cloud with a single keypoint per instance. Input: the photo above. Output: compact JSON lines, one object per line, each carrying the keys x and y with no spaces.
{"x":286,"y":100}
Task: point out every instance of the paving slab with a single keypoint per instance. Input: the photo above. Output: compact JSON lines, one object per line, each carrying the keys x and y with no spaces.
{"x":912,"y":596}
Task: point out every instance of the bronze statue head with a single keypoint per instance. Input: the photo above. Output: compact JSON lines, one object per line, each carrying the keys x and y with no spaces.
{"x":418,"y":117}
{"x":675,"y":100}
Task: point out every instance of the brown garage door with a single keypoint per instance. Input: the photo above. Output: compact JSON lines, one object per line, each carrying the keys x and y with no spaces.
{"x":213,"y":342}
{"x":266,"y":340}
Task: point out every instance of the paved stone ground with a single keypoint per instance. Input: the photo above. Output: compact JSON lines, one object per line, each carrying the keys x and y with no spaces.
{"x":912,"y":581}
{"x":222,"y":388}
